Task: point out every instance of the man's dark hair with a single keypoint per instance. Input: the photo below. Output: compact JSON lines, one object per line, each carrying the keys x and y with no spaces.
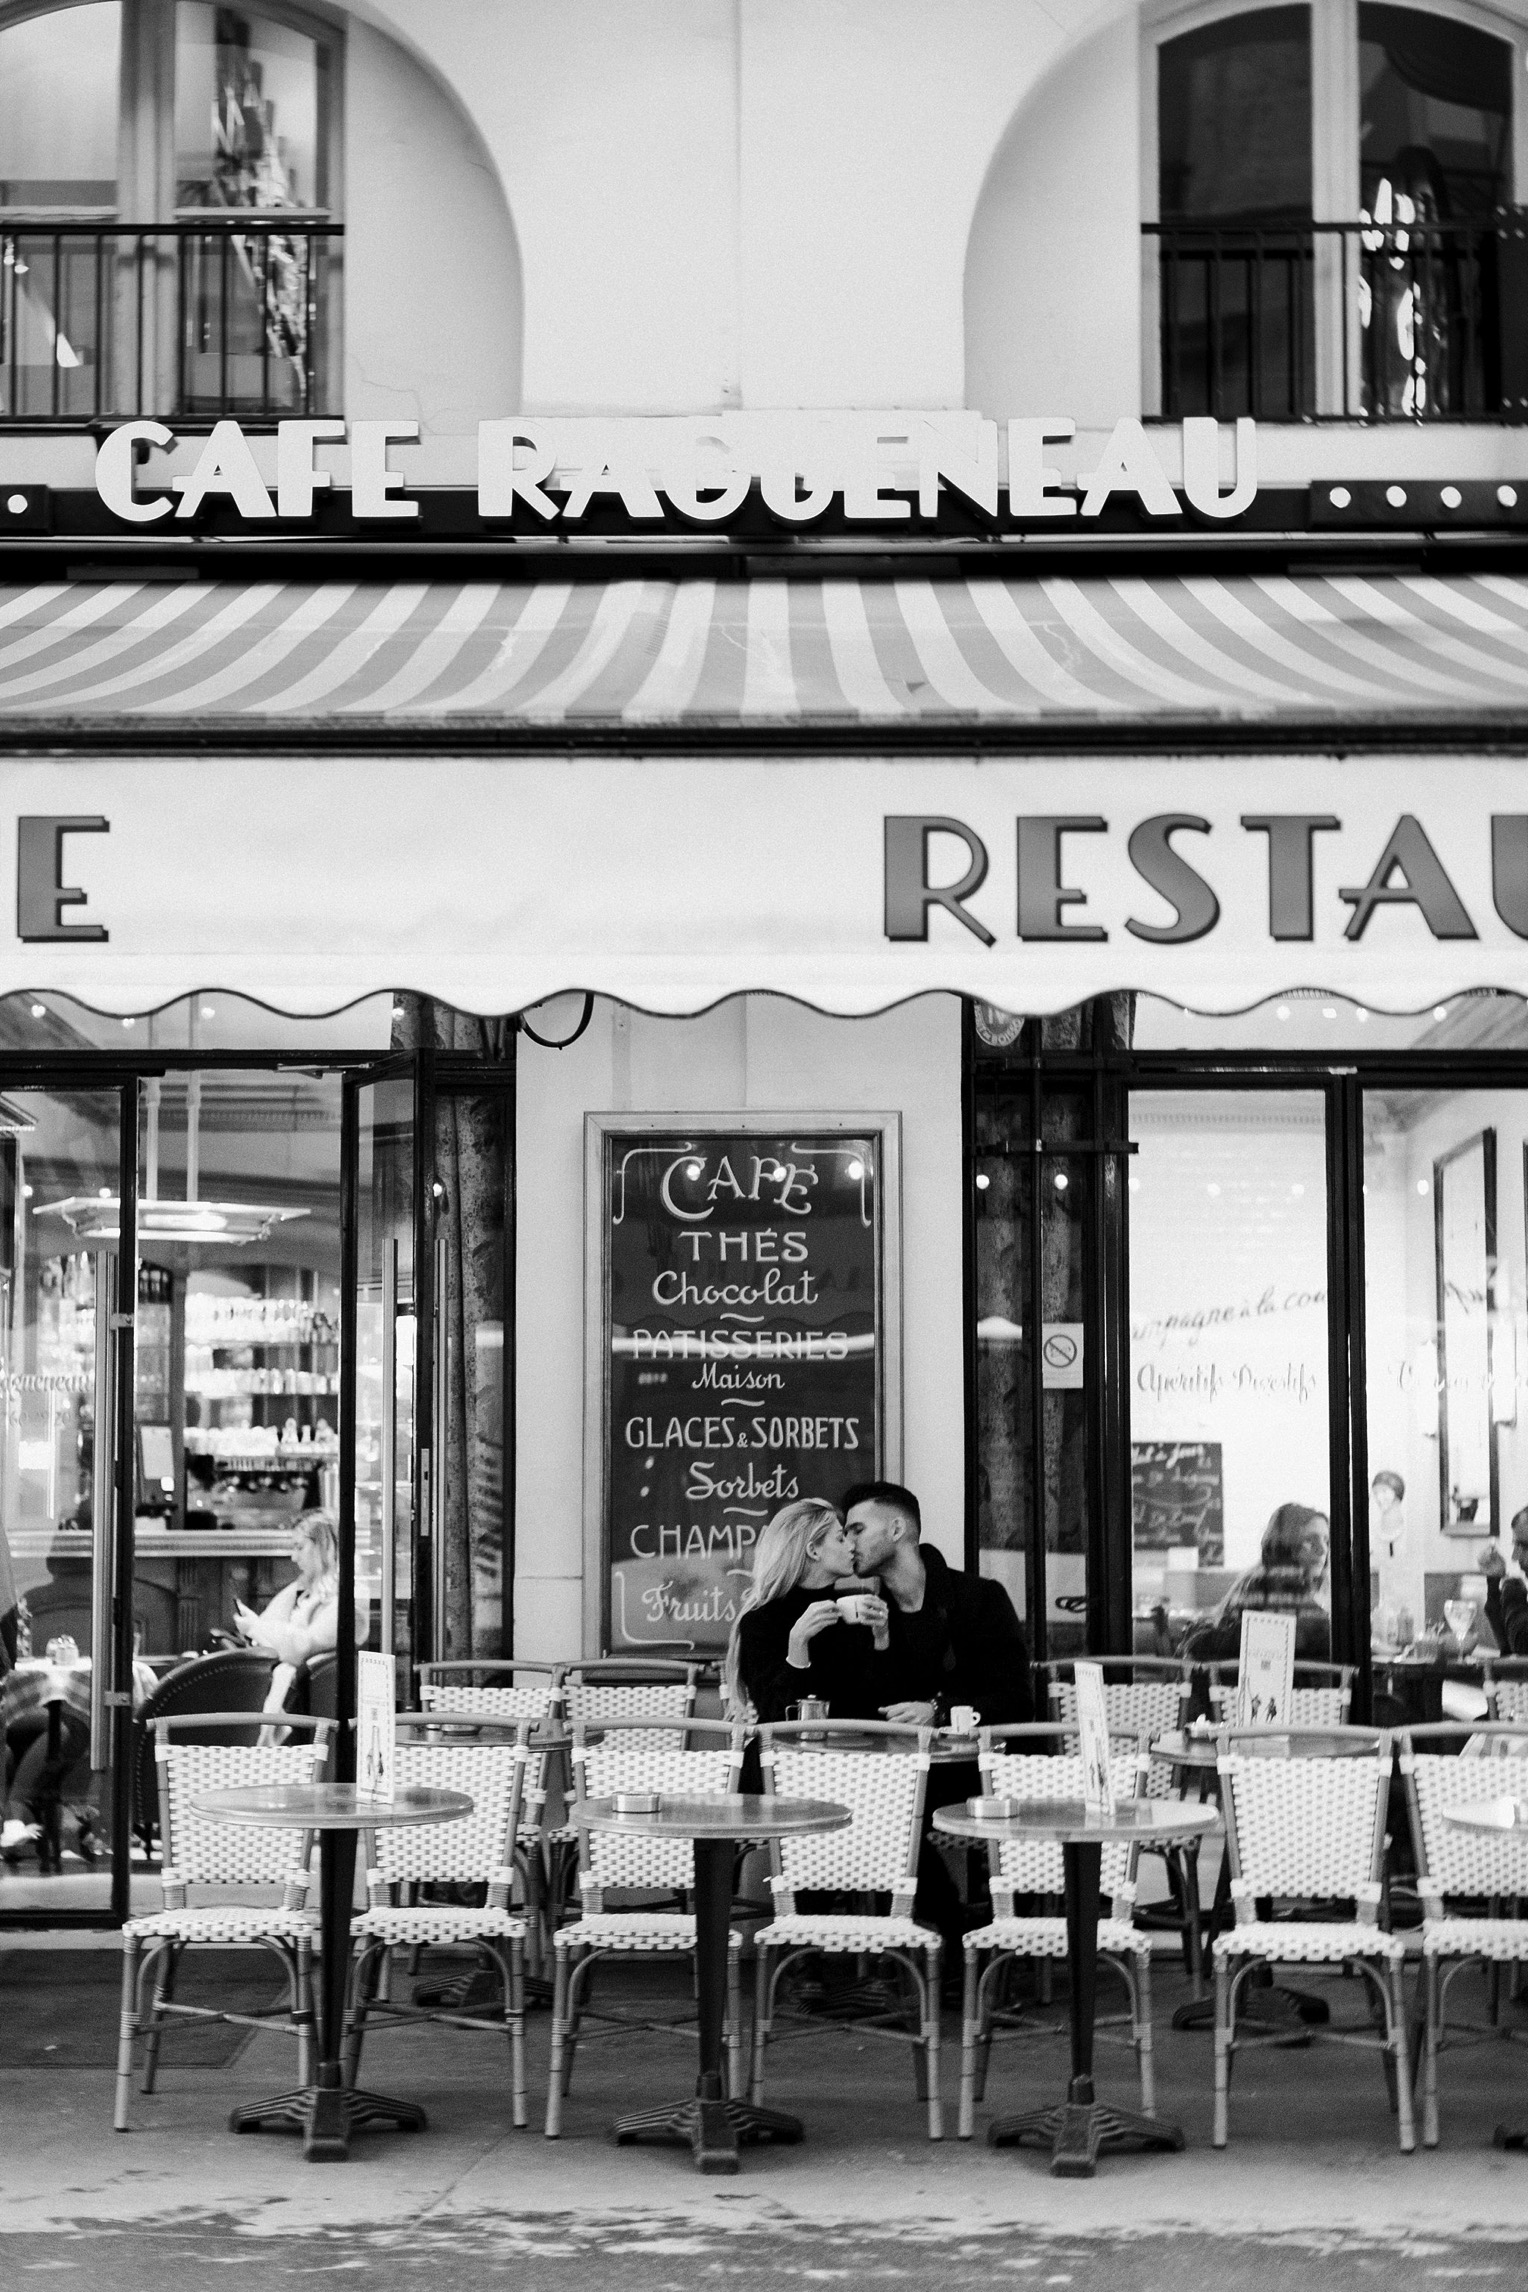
{"x":891,"y":1493}
{"x":1520,"y":1523}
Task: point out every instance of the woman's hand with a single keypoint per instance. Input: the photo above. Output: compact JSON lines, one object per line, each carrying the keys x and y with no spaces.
{"x":804,"y":1630}
{"x":868,"y":1609}
{"x":246,"y":1623}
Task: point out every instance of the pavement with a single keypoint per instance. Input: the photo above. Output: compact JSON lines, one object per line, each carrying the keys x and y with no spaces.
{"x":1312,"y":2179}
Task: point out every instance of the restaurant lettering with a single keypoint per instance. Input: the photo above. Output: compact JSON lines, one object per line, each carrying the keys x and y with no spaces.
{"x":873,"y":469}
{"x":741,"y":1358}
{"x":1053,"y":901}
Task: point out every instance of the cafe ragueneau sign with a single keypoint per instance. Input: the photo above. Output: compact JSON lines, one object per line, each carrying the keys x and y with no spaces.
{"x":884,"y":469}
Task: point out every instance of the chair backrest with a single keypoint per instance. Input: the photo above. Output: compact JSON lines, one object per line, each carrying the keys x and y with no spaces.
{"x":1322,"y":1695}
{"x":503,"y":1691}
{"x":1506,"y":1699}
{"x":477,"y":1849}
{"x":190,"y":1762}
{"x":1306,"y":1823}
{"x":613,"y":1689}
{"x":234,"y":1679}
{"x":1052,"y":1769}
{"x":884,"y":1791}
{"x":646,"y":1755}
{"x":1452,"y":1861}
{"x":1153,"y":1702}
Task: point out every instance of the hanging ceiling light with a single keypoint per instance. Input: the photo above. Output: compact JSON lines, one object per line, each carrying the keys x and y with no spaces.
{"x":98,"y":1217}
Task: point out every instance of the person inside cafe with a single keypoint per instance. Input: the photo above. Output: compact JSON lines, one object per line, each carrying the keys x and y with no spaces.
{"x":1291,"y":1577}
{"x":954,"y":1639}
{"x":303,"y":1620}
{"x":795,"y":1638}
{"x":1507,"y":1589}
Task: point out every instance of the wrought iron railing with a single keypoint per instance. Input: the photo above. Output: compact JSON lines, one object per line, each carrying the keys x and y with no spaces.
{"x":102,"y":321}
{"x":1414,"y":322}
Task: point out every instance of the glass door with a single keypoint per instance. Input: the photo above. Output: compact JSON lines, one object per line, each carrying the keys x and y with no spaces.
{"x":69,"y":1677}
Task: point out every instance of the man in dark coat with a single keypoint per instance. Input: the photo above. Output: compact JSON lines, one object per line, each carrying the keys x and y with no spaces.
{"x":954,"y":1640}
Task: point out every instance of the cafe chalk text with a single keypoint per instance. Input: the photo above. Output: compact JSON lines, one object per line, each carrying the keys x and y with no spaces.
{"x":1054,"y":903}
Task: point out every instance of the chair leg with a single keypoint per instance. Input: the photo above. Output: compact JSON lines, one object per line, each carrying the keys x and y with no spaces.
{"x":1222,"y":2048}
{"x":1432,"y":1975}
{"x":967,"y":2047}
{"x":931,"y":2043}
{"x":763,"y":2000}
{"x":1397,"y":2004}
{"x":304,"y":2015}
{"x":513,"y":1964}
{"x":1187,"y":1859}
{"x":1140,"y":2007}
{"x":554,"y":2082}
{"x":580,"y":1983}
{"x":127,"y":2031}
{"x":735,"y":2021}
{"x":164,"y":1991}
{"x":365,"y":1979}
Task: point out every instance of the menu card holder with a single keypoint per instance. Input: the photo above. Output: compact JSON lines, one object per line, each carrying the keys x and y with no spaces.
{"x":1266,"y":1680}
{"x":376,"y":1726}
{"x":1093,"y":1740}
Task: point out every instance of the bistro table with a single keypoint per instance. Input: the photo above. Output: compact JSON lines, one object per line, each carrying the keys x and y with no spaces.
{"x":327,"y":2113}
{"x":1498,"y":1815}
{"x":716,"y":1823}
{"x":1078,"y":2127}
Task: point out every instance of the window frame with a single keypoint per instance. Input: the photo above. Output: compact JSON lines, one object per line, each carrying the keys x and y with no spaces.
{"x":1335,"y":136}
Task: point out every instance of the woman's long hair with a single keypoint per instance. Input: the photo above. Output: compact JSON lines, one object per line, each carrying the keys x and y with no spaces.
{"x":779,"y":1563}
{"x":324,"y":1535}
{"x":1283,"y":1577}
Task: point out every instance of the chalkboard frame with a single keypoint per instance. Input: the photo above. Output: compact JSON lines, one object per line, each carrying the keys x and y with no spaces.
{"x":881,"y":1125}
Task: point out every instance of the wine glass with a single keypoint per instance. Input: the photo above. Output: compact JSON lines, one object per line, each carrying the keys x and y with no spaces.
{"x":1459,"y":1615}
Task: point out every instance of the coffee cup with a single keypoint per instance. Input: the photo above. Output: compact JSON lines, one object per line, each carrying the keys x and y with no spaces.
{"x":963,"y":1719}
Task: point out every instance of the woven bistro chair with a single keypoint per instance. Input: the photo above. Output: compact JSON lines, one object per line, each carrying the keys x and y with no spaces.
{"x":1464,"y":1868}
{"x":1506,"y":1688}
{"x":1308,"y":1829}
{"x":514,"y":1691}
{"x":608,"y":1690}
{"x":877,"y":1855}
{"x":641,"y":1755}
{"x":1032,"y":1762}
{"x":1322,"y":1695}
{"x":221,"y":1864}
{"x":477,"y":1851}
{"x":1148,"y":1695}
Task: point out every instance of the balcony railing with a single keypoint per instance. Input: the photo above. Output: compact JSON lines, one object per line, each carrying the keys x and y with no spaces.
{"x":102,"y":321}
{"x":1414,"y":322}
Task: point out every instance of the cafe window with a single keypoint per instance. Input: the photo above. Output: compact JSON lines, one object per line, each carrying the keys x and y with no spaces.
{"x":1300,"y":269}
{"x":192,"y":268}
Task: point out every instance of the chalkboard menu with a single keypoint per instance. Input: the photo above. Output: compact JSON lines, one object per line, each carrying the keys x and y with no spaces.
{"x":1177,"y":1497}
{"x":743,"y":1351}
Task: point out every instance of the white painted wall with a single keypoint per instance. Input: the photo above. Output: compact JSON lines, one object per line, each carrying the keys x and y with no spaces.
{"x":762,"y":1052}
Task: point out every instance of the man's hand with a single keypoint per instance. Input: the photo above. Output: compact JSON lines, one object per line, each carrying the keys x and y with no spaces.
{"x":804,"y":1630}
{"x":1490,"y":1561}
{"x":909,"y":1714}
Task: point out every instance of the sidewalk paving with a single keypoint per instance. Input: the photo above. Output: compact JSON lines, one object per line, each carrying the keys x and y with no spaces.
{"x":1312,"y":2177}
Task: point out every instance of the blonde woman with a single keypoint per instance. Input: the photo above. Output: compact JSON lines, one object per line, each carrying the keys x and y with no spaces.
{"x":793,"y":1637}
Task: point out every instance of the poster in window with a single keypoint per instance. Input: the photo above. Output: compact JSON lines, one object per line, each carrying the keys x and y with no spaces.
{"x":743,"y":1324}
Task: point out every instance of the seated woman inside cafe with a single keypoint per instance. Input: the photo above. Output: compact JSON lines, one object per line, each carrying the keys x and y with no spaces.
{"x":1291,"y":1575}
{"x":795,"y":1637}
{"x":303,"y":1619}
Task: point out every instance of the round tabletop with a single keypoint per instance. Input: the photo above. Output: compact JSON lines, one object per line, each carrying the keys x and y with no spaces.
{"x":946,"y":1750}
{"x":1179,"y":1749}
{"x":328,"y":1806}
{"x":716,"y":1815}
{"x":1069,"y":1823}
{"x":1490,"y":1814}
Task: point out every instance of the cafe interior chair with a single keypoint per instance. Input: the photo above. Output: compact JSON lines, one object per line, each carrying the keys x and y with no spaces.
{"x":411,"y":1869}
{"x":1307,"y":1827}
{"x":1458,"y":1871}
{"x":1505,"y":1684}
{"x":207,"y":1874}
{"x":1035,"y":1762}
{"x":877,"y":1854}
{"x":508,"y":1692}
{"x":1322,"y":1695}
{"x":1150,"y":1696}
{"x":642,"y":1754}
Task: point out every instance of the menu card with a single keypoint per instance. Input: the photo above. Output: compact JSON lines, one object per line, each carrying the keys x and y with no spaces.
{"x":1093,"y":1739}
{"x":1267,"y":1668}
{"x":376,"y":1730}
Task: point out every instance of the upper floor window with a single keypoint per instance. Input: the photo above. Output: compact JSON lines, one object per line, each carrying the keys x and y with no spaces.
{"x":1336,"y":232}
{"x":129,"y":131}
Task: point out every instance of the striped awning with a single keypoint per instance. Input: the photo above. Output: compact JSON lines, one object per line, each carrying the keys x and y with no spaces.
{"x":702,"y":653}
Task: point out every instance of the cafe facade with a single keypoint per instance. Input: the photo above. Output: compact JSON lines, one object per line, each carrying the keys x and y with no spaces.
{"x":627,"y":912}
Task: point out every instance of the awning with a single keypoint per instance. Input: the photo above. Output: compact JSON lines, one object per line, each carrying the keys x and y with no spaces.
{"x":696,"y":653}
{"x":1268,"y":852}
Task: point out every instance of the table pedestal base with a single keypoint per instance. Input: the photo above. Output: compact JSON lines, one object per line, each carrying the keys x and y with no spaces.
{"x":326,"y":2116}
{"x":1076,"y":2129}
{"x":711,"y":2126}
